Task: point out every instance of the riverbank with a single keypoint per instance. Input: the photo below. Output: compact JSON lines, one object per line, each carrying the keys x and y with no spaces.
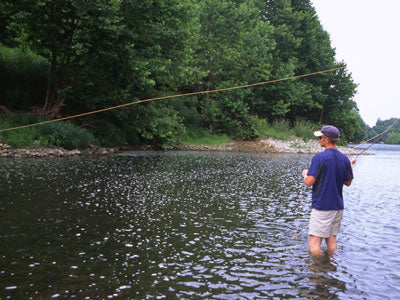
{"x":270,"y":146}
{"x":257,"y":146}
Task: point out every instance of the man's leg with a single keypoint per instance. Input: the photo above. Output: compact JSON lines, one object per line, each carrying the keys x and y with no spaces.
{"x":331,"y":240}
{"x":331,"y":243}
{"x":314,"y":244}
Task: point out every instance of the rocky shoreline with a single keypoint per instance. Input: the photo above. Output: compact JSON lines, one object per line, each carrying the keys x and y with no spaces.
{"x":8,"y":151}
{"x":271,"y":146}
{"x":256,"y":146}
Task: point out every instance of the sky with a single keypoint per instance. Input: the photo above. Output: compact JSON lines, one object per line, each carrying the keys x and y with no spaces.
{"x":366,"y":36}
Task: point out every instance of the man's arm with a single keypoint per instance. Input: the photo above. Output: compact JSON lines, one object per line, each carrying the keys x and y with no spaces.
{"x":308,"y":179}
{"x":352,"y":162}
{"x":348,"y":182}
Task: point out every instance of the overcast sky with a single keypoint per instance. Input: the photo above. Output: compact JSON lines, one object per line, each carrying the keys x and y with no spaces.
{"x":366,"y":36}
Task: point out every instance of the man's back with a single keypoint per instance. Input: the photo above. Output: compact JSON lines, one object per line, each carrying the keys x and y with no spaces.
{"x":331,"y":169}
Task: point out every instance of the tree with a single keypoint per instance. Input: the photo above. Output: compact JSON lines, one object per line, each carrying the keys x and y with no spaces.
{"x":235,"y":49}
{"x":393,"y":137}
{"x":305,"y":46}
{"x":381,"y":126}
{"x":74,"y":36}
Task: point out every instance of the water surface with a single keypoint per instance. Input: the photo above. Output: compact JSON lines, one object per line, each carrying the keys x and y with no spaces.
{"x":192,"y":225}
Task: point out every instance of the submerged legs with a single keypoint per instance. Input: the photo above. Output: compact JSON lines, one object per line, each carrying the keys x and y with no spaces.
{"x":314,"y":244}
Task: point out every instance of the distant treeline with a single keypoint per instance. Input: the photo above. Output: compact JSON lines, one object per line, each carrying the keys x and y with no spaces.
{"x":392,"y":137}
{"x":61,"y":58}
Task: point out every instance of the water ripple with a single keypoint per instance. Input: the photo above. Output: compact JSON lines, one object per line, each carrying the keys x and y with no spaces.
{"x":190,"y":225}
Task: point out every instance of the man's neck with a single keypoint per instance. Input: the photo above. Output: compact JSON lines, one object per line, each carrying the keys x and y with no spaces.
{"x":330,"y":146}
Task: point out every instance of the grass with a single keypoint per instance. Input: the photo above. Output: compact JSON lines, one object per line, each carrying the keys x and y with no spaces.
{"x":62,"y":134}
{"x":18,"y":138}
{"x":201,"y":136}
{"x":282,"y":130}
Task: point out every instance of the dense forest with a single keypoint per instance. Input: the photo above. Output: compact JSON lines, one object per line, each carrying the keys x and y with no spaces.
{"x":60,"y":58}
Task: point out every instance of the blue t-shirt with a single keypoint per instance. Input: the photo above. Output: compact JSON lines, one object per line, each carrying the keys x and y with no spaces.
{"x":331,"y":169}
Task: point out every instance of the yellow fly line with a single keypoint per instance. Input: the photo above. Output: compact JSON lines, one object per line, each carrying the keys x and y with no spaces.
{"x":169,"y":97}
{"x":376,"y":136}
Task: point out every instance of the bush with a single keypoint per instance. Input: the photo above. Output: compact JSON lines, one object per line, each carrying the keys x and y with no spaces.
{"x":304,"y":130}
{"x":252,"y":127}
{"x":109,"y":135}
{"x":281,"y":126}
{"x":160,"y":125}
{"x":67,"y":135}
{"x":201,"y":136}
{"x":21,"y":137}
{"x":393,"y":138}
{"x":279,"y":130}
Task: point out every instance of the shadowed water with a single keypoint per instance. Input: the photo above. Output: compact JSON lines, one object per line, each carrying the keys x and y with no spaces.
{"x":191,"y":225}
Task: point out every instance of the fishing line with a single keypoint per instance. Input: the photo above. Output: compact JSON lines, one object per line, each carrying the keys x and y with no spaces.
{"x":374,"y":137}
{"x":297,"y":231}
{"x":171,"y":96}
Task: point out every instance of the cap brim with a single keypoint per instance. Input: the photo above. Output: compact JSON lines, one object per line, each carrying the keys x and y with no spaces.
{"x":318,"y":133}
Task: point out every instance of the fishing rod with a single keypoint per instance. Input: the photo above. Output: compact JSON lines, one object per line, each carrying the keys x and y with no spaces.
{"x":298,"y":232}
{"x":373,"y":138}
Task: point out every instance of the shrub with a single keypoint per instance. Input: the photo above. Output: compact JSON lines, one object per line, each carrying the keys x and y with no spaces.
{"x":67,"y":135}
{"x":393,"y":138}
{"x":201,"y":136}
{"x":304,"y":129}
{"x":253,"y":127}
{"x":21,"y":137}
{"x":109,"y":135}
{"x":279,"y":130}
{"x":281,"y":125}
{"x":160,"y":125}
{"x":62,"y":134}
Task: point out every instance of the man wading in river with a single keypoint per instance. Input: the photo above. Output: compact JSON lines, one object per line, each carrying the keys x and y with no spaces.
{"x":329,"y":171}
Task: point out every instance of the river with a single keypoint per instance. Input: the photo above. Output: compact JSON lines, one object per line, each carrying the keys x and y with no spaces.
{"x":192,"y":225}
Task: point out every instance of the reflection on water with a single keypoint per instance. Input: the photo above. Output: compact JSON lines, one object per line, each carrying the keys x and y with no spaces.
{"x":189,"y":225}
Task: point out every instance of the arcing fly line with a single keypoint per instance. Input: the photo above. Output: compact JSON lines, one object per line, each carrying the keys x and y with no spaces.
{"x":373,"y":138}
{"x":169,"y":97}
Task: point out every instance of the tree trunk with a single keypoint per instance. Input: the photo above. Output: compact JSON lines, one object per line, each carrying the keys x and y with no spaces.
{"x":54,"y":101}
{"x":320,"y":116}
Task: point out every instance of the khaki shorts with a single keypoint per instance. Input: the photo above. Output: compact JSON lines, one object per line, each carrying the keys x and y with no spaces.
{"x":324,"y":223}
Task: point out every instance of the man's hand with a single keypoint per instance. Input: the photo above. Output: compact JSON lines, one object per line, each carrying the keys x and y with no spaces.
{"x":308,"y":180}
{"x":353,"y":160}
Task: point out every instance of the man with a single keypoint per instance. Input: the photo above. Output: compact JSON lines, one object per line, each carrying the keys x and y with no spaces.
{"x":328,"y":172}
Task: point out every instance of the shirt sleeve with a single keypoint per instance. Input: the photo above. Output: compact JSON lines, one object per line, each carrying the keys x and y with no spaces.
{"x":314,"y":167}
{"x":349,"y":171}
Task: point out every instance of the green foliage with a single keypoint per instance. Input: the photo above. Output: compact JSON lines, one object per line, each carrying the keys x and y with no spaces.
{"x":201,"y":136}
{"x":23,"y":76}
{"x":304,"y":129}
{"x":381,"y":126}
{"x":234,"y":49}
{"x":253,"y":127}
{"x":109,"y":135}
{"x":67,"y":135}
{"x":160,"y":125}
{"x":63,"y":134}
{"x":352,"y":127}
{"x":281,"y":125}
{"x":21,"y":137}
{"x":279,"y":129}
{"x":100,"y":54}
{"x":393,"y":138}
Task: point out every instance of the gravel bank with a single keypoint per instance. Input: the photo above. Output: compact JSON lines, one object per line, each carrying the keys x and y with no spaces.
{"x":270,"y":146}
{"x":257,"y":146}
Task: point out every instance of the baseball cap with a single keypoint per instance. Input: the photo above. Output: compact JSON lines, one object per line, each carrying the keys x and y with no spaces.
{"x":328,"y":131}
